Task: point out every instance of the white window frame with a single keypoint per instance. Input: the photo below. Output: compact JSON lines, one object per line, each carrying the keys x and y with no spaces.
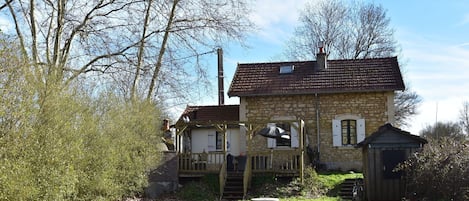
{"x":294,"y":138}
{"x":337,"y":129}
{"x":215,"y":138}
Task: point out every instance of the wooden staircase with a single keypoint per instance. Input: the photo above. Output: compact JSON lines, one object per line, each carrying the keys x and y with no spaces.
{"x":351,"y":189}
{"x":233,"y":187}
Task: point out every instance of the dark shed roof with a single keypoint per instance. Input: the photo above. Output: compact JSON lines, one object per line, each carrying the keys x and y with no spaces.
{"x":388,"y":135}
{"x":361,"y":75}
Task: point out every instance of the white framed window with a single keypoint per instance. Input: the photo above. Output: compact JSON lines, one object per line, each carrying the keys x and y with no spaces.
{"x":347,"y":130}
{"x":293,"y":142}
{"x":215,"y":141}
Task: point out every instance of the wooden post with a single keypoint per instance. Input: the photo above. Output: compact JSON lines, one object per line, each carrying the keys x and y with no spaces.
{"x":225,"y":140}
{"x":302,"y":151}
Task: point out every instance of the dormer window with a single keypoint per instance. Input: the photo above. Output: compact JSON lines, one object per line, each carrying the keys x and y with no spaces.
{"x":287,"y":69}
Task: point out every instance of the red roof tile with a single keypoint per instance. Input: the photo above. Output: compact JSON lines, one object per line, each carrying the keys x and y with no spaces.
{"x":362,"y":75}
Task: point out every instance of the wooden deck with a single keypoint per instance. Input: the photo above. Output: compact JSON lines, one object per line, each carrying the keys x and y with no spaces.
{"x":280,"y":162}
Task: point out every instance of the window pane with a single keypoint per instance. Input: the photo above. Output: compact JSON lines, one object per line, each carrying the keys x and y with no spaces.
{"x":349,"y":131}
{"x":219,"y":141}
{"x":282,"y":141}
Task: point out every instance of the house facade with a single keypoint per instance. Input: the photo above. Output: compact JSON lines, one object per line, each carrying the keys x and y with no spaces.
{"x":340,"y":101}
{"x":209,"y":134}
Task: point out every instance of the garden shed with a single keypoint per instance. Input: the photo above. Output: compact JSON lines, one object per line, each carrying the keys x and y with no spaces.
{"x":383,"y":150}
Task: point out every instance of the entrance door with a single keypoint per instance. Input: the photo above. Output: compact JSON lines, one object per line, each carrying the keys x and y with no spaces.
{"x":391,"y":158}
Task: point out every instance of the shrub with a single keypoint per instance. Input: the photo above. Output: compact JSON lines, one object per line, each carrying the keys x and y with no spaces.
{"x":313,"y":187}
{"x":59,"y":143}
{"x":440,"y":171}
{"x":204,"y":190}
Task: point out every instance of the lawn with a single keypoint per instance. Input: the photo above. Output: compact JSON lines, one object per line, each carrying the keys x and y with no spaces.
{"x":323,"y":186}
{"x":330,"y":181}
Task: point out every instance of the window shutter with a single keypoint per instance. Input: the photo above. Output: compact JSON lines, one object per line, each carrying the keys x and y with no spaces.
{"x":360,"y":130}
{"x":294,"y":137}
{"x":336,"y":133}
{"x":211,"y":142}
{"x":271,"y":142}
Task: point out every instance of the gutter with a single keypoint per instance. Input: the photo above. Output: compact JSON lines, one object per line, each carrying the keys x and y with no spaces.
{"x":318,"y":112}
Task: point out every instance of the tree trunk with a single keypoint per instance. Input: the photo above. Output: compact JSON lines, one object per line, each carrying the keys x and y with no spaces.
{"x":162,"y":50}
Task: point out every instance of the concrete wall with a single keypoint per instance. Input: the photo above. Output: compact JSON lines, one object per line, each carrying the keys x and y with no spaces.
{"x":376,"y":108}
{"x":164,"y":178}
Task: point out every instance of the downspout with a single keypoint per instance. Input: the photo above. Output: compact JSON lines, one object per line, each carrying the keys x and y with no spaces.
{"x":317,"y":123}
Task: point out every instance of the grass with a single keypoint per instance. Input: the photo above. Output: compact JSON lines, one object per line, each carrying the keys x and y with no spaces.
{"x":322,"y":186}
{"x":332,"y":180}
{"x":316,"y":187}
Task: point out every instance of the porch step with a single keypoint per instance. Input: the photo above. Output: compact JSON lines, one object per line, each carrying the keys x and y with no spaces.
{"x":347,"y":188}
{"x":233,"y":187}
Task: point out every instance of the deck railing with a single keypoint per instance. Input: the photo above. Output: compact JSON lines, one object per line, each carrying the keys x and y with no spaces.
{"x":222,"y":178}
{"x":277,"y":161}
{"x":247,"y":176}
{"x":201,"y":162}
{"x":273,"y":161}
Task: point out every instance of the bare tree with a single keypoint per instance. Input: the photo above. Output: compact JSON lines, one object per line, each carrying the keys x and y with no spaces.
{"x":111,"y":39}
{"x":406,"y":104}
{"x":443,"y":129}
{"x":464,"y":117}
{"x":350,"y":31}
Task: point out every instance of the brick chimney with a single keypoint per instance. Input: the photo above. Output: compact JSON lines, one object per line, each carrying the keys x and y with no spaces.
{"x":321,"y":57}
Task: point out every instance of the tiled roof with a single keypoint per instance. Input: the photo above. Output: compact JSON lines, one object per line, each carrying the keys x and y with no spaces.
{"x":211,"y":113}
{"x":362,"y":75}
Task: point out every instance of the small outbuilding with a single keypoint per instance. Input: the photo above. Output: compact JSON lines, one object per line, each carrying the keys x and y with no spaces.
{"x":383,"y":150}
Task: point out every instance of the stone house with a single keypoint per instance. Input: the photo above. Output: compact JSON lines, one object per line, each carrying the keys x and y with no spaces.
{"x":340,"y":101}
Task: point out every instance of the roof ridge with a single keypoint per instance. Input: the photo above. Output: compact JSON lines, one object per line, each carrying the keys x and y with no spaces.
{"x":212,"y":105}
{"x":305,"y":61}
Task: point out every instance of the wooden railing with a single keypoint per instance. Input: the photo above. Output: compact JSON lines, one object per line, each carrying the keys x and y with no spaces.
{"x":278,"y":161}
{"x":273,"y":161}
{"x":247,"y":176}
{"x":222,"y":178}
{"x":201,"y":162}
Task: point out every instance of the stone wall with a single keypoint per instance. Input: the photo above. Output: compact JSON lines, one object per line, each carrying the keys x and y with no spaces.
{"x":373,"y":107}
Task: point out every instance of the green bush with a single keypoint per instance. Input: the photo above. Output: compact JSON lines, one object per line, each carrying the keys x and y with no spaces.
{"x":440,"y":171}
{"x":60,"y":143}
{"x":313,"y":187}
{"x":204,"y":190}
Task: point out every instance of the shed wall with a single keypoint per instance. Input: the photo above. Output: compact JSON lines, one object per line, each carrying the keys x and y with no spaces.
{"x":377,"y":188}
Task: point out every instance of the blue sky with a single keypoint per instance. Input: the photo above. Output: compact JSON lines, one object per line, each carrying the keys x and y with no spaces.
{"x":433,"y":37}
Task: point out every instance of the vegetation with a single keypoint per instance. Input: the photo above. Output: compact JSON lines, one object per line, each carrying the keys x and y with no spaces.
{"x":440,"y":171}
{"x":61,"y":142}
{"x":322,"y":186}
{"x":443,"y":130}
{"x":464,"y":117}
{"x":82,"y":84}
{"x":316,"y":187}
{"x":205,"y":190}
{"x":145,"y":49}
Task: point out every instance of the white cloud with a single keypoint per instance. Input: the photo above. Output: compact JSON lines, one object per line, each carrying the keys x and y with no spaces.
{"x":276,"y":19}
{"x":438,"y":72}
